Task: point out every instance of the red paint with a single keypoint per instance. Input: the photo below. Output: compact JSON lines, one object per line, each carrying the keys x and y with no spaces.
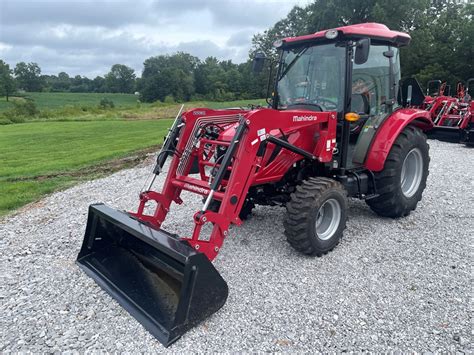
{"x":389,"y":131}
{"x":371,"y":30}
{"x":314,"y":132}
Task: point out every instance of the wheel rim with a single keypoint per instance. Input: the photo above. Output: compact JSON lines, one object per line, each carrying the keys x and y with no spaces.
{"x":412,"y":171}
{"x":328,"y":219}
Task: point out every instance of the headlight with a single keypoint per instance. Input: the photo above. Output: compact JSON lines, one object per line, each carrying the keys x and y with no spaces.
{"x":278,"y":43}
{"x":331,"y":34}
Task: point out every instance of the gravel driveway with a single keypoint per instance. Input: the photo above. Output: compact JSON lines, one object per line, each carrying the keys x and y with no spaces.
{"x":401,"y":284}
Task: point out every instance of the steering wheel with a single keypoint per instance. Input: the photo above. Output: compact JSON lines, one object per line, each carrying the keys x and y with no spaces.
{"x":326,"y":104}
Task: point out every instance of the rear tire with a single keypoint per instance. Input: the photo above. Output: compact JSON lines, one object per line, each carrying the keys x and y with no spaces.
{"x":401,"y":183}
{"x":316,"y":216}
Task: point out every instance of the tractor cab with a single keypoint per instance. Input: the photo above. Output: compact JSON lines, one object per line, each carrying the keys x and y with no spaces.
{"x":352,"y":70}
{"x":312,"y":77}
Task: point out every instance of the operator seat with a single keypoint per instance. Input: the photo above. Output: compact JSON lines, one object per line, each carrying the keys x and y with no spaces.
{"x":360,"y":104}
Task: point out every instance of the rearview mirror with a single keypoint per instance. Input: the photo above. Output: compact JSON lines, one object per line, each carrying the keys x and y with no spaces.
{"x":362,"y":51}
{"x":258,"y":61}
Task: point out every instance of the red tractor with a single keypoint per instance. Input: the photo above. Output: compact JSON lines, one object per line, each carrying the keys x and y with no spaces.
{"x":334,"y":130}
{"x":467,"y":123}
{"x":452,"y":116}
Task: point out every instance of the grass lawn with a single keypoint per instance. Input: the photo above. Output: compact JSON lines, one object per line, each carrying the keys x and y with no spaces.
{"x":84,"y":107}
{"x":67,"y":140}
{"x":38,"y":158}
{"x":55,"y":100}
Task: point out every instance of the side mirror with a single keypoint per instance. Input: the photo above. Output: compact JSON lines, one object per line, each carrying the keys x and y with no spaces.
{"x":362,"y":51}
{"x":258,"y":61}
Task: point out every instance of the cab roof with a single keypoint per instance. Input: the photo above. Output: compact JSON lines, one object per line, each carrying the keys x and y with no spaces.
{"x":372,"y":30}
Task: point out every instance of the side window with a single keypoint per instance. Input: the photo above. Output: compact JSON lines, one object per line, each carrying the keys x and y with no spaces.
{"x":370,"y":83}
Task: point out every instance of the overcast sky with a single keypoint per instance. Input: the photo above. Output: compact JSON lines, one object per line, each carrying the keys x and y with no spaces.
{"x":87,"y":37}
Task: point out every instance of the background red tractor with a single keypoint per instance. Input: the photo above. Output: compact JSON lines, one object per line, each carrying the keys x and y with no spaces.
{"x":452,"y":116}
{"x":334,"y":130}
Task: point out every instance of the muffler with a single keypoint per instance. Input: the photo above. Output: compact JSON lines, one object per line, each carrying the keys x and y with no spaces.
{"x":158,"y":278}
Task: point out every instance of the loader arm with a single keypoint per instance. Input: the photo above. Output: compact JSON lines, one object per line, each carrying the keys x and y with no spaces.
{"x":243,"y":135}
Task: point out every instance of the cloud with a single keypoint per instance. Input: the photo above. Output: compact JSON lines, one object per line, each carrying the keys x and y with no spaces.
{"x":229,"y":13}
{"x":73,"y":38}
{"x":105,"y":13}
{"x":240,"y":38}
{"x":87,"y":37}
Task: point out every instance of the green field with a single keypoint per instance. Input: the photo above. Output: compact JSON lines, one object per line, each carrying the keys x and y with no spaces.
{"x":55,"y":100}
{"x":85,"y":107}
{"x":38,"y":158}
{"x":54,"y":151}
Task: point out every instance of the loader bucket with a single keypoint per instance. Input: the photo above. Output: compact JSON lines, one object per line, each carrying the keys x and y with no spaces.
{"x":160,"y":280}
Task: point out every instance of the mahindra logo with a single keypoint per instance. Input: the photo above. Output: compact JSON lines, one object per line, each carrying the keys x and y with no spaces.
{"x":304,"y":118}
{"x":198,"y":189}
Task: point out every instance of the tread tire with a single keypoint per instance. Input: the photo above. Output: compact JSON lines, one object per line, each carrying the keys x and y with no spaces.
{"x":391,"y":201}
{"x":302,"y":212}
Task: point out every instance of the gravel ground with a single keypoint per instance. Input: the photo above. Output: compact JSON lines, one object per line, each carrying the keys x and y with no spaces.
{"x":391,"y":284}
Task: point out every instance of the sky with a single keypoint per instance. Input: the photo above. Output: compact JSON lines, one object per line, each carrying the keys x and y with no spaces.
{"x":86,"y":37}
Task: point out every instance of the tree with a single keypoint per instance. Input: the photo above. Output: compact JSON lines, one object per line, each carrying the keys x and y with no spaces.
{"x":210,"y":78}
{"x":120,"y":79}
{"x":63,"y":83}
{"x":7,"y":83}
{"x":442,"y":31}
{"x":165,"y":75}
{"x":28,"y":76}
{"x":98,"y":84}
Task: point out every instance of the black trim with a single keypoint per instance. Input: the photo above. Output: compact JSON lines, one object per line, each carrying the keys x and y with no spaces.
{"x":292,"y":148}
{"x":346,"y":125}
{"x":359,"y":183}
{"x":275,"y":96}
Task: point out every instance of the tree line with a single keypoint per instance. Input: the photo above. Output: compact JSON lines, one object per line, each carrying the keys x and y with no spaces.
{"x":28,"y":77}
{"x":442,"y":32}
{"x":177,"y":77}
{"x":442,"y":47}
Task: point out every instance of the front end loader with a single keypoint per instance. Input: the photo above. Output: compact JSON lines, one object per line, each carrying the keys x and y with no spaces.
{"x":334,"y":129}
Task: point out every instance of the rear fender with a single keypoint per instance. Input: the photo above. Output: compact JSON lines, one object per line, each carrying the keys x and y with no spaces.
{"x":391,"y":127}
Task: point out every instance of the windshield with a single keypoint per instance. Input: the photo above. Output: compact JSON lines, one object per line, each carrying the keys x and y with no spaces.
{"x":312,"y":77}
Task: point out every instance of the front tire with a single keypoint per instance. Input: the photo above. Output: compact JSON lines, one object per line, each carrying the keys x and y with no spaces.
{"x":401,"y":183}
{"x":316,"y":216}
